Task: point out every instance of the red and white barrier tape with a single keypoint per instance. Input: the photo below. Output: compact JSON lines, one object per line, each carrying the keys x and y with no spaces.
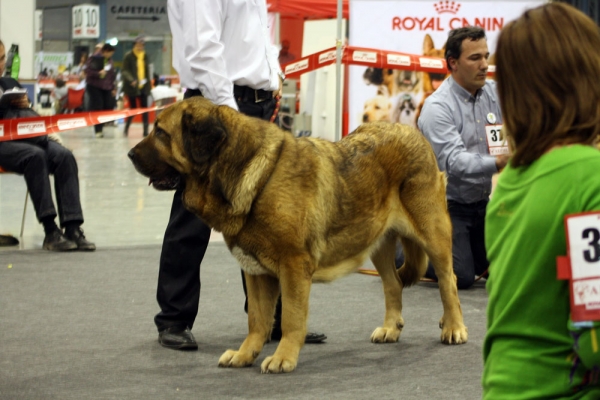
{"x":20,"y":128}
{"x":371,"y":58}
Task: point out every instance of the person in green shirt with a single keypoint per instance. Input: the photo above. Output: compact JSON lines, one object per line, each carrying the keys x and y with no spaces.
{"x":548,"y":64}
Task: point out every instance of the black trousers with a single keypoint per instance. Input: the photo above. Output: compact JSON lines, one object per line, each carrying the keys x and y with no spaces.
{"x":143,"y":104}
{"x":99,"y":100}
{"x":36,"y":158}
{"x":184,"y":244}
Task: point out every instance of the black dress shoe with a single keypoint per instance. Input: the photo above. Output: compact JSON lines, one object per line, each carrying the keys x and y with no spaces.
{"x":56,"y":241}
{"x":76,"y":235}
{"x":315,"y":337}
{"x":177,"y":338}
{"x":311,"y":337}
{"x":8,"y":240}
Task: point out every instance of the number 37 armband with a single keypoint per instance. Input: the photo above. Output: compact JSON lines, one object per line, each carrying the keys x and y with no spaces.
{"x":581,"y":265}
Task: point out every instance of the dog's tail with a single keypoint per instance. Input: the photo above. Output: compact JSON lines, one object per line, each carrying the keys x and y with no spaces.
{"x":415,"y":263}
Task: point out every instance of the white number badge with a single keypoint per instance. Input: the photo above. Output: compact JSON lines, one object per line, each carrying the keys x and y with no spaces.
{"x":497,"y":143}
{"x":581,"y":266}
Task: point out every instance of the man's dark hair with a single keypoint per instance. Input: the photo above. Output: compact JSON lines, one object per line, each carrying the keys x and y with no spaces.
{"x":455,"y":39}
{"x":108,"y":47}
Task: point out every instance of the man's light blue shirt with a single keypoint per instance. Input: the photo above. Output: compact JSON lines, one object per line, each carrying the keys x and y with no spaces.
{"x":454,"y":123}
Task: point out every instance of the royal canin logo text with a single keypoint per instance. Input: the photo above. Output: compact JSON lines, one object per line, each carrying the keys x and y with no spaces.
{"x":444,"y":23}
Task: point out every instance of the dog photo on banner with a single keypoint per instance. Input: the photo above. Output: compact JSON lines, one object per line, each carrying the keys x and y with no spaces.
{"x":418,"y":28}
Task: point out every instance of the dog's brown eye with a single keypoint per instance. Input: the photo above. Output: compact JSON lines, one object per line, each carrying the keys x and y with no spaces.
{"x":161,"y":134}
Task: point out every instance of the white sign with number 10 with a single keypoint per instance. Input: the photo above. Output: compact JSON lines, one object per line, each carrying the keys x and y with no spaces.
{"x":86,"y":22}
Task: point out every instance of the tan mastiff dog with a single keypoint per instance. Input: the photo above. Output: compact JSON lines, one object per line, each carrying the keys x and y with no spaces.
{"x":294,"y":211}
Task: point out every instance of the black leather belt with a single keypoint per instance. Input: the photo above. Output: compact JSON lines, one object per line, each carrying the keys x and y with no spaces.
{"x":241,"y":93}
{"x":244,"y":93}
{"x":191,"y":93}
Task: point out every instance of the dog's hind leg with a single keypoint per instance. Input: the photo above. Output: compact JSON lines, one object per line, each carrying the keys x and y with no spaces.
{"x":263,"y":291}
{"x":433,"y":229}
{"x":383,"y":259}
{"x":453,"y":328}
{"x":438,"y":245}
{"x":295,"y":279}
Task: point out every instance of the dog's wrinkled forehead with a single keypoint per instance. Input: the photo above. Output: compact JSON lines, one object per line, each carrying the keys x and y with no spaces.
{"x":172,"y":115}
{"x":198,"y":105}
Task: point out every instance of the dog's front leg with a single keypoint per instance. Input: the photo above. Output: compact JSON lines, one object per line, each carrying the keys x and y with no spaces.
{"x":295,"y":280}
{"x":262,"y":291}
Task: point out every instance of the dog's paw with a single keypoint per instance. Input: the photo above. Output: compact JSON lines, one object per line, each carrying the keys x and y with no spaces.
{"x":234,"y":359}
{"x":385,"y":335}
{"x":454,"y":333}
{"x":277,"y":365}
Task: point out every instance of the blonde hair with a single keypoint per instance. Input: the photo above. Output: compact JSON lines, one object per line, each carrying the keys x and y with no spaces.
{"x":548,"y":78}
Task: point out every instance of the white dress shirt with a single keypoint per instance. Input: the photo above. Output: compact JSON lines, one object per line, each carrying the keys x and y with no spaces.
{"x":219,"y":43}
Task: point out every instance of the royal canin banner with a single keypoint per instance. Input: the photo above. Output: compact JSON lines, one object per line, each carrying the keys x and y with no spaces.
{"x":420,"y":29}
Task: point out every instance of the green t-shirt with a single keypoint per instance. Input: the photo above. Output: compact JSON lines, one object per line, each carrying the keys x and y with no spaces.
{"x":528,"y":350}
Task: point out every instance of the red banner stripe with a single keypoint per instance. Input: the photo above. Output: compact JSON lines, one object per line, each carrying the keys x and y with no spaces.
{"x":370,"y":58}
{"x":20,"y":128}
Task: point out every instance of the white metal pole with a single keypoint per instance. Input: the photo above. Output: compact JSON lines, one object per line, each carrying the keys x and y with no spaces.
{"x":338,"y":73}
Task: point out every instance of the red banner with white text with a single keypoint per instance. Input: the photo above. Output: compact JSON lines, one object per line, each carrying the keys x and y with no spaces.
{"x":21,"y":128}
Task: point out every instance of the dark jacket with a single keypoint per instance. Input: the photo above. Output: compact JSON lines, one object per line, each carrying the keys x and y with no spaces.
{"x":129,"y":74}
{"x":10,"y":113}
{"x":94,"y":65}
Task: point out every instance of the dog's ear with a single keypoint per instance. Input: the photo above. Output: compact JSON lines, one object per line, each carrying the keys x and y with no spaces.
{"x":202,"y":137}
{"x":373,"y":75}
{"x":427,"y":44}
{"x":367,"y":76}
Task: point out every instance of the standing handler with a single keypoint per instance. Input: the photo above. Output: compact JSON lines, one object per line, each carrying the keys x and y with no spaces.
{"x":222,"y":51}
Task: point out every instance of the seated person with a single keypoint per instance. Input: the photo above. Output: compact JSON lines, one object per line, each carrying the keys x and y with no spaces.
{"x":59,"y":95}
{"x":36,"y":158}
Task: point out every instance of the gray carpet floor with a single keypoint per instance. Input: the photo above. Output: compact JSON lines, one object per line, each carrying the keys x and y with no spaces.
{"x":80,"y":326}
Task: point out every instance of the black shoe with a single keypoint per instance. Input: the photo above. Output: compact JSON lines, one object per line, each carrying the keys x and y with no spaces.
{"x":77,"y":236}
{"x":8,"y":240}
{"x":311,"y":337}
{"x":56,"y":241}
{"x":177,"y":338}
{"x":315,"y":337}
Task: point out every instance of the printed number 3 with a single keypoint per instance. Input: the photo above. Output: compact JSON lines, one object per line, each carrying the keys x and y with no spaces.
{"x":495,"y":135}
{"x":594,"y":243}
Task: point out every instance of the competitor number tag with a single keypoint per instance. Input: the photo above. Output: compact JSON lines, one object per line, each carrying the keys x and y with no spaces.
{"x":583,"y":261}
{"x":497,"y":143}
